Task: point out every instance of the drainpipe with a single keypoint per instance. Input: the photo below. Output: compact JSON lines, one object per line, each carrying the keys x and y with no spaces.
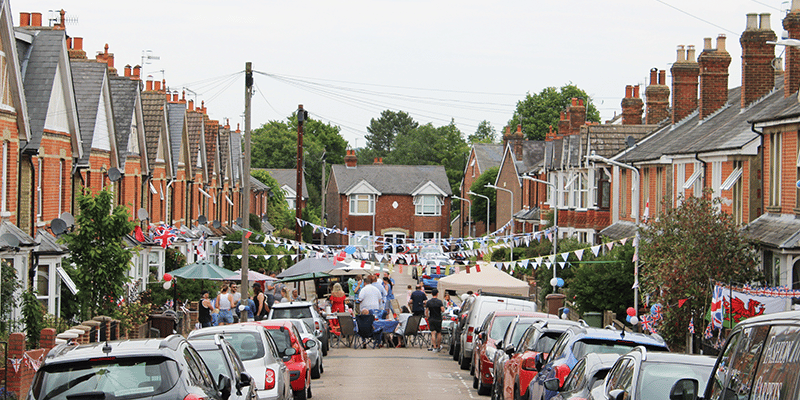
{"x":697,"y":157}
{"x":761,"y":135}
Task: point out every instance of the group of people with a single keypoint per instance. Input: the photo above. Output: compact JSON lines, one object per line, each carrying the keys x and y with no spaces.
{"x":373,"y":293}
{"x":228,"y":306}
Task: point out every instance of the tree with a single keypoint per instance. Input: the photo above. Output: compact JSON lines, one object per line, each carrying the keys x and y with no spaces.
{"x":479,"y":203}
{"x":685,"y":248}
{"x":386,"y":130}
{"x":98,"y":251}
{"x":484,"y":134}
{"x":537,"y":112}
{"x":606,"y":283}
{"x":278,"y":213}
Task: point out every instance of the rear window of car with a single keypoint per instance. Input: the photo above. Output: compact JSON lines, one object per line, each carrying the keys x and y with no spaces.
{"x":118,"y":378}
{"x":545,"y":342}
{"x":297,"y":312}
{"x":519,"y":330}
{"x":247,"y":344}
{"x":656,"y":379}
{"x":500,"y":326}
{"x":282,"y":339}
{"x":215,"y":360}
{"x":583,"y":347}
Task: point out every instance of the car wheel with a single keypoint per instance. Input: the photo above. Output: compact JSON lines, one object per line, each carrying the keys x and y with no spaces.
{"x":516,"y":393}
{"x":463,"y":362}
{"x":309,"y":392}
{"x":315,"y":372}
{"x":299,"y":394}
{"x":450,"y":349}
{"x":475,"y":382}
{"x":456,"y":350}
{"x":483,"y":389}
{"x":325,"y":346}
{"x":321,"y":368}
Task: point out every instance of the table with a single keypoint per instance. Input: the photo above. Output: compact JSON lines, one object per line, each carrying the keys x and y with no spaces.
{"x":381,"y":325}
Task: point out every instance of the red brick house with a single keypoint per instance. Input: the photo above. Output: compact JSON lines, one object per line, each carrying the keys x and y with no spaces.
{"x":397,"y":203}
{"x":482,"y":157}
{"x":520,"y":157}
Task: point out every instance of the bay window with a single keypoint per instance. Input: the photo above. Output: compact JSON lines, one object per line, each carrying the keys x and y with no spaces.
{"x":428,"y":205}
{"x":362,"y":204}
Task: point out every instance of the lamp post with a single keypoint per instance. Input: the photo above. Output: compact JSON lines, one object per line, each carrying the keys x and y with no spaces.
{"x":469,"y":214}
{"x":510,"y":193}
{"x":595,"y":157}
{"x":488,"y":206}
{"x":555,"y":217}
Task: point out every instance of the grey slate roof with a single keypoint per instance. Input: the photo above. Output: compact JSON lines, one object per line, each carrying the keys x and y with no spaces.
{"x":727,"y":129}
{"x":176,"y":113}
{"x":224,"y":152}
{"x":153,"y":110}
{"x":123,"y":101}
{"x":87,"y":79}
{"x":608,"y":140}
{"x":392,"y":179}
{"x":488,"y":155}
{"x":287,"y":177}
{"x":23,"y":238}
{"x":256,"y":185}
{"x":532,"y":155}
{"x":236,"y":157}
{"x":211,"y":132}
{"x":779,"y":230}
{"x":48,"y":244}
{"x":619,"y":230}
{"x":195,"y":126}
{"x":39,"y":64}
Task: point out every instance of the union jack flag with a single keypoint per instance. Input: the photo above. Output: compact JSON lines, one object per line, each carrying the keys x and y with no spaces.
{"x":164,"y":236}
{"x":691,"y":326}
{"x":717,"y":307}
{"x":200,"y":248}
{"x":709,"y":332}
{"x":647,"y":323}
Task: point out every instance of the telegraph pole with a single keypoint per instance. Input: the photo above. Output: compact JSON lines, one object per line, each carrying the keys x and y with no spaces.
{"x":302,"y":115}
{"x":322,"y":192}
{"x":248,"y":94}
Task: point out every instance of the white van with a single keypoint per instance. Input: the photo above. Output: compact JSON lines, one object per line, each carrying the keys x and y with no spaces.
{"x":481,"y":307}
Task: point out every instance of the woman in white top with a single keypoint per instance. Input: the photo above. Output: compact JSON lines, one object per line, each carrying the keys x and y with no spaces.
{"x":225,"y":303}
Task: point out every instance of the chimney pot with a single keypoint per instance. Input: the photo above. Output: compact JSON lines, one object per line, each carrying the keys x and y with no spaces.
{"x":707,"y":43}
{"x":690,"y":53}
{"x":24,"y":19}
{"x":191,"y":108}
{"x":149,"y":85}
{"x":721,"y":42}
{"x":36,"y":19}
{"x":128,"y":71}
{"x":653,"y":76}
{"x":662,"y":77}
{"x":764,"y":23}
{"x":628,"y":91}
{"x":636,"y":91}
{"x":752,"y":22}
{"x":519,"y":130}
{"x":164,"y":84}
{"x":574,"y":101}
{"x":681,"y":54}
{"x":78,"y":43}
{"x":137,"y":72}
{"x":183,"y":95}
{"x":157,"y":86}
{"x":69,"y":42}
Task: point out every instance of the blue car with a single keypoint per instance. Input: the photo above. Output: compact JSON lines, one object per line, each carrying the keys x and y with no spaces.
{"x":578,"y":341}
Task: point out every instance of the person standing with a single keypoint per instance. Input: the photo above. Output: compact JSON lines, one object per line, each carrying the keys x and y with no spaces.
{"x":378,"y":283}
{"x":237,"y":297}
{"x":204,"y":310}
{"x":370,"y":297}
{"x":280,"y":292}
{"x":224,"y":303}
{"x":261,"y":303}
{"x":337,"y":298}
{"x":389,"y":286}
{"x":418,"y":299}
{"x":270,"y":289}
{"x":433,"y":313}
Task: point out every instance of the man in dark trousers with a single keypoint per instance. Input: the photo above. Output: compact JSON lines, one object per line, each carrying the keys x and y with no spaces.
{"x":433,"y":312}
{"x":418,"y":299}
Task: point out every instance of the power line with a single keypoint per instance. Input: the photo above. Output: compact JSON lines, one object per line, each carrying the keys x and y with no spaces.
{"x":696,"y":17}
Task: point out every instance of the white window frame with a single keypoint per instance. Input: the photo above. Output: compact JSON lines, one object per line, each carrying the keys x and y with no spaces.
{"x":355,"y":199}
{"x":419,"y":237}
{"x":732,"y":179}
{"x":39,"y":189}
{"x":428,"y":205}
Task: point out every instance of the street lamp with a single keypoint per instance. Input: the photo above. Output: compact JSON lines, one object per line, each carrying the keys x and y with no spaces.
{"x":595,"y":157}
{"x":469,"y":215}
{"x":555,"y":218}
{"x":488,"y":206}
{"x":510,"y":193}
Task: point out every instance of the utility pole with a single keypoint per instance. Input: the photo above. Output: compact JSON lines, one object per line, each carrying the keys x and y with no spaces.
{"x":245,"y":202}
{"x":302,"y":115}
{"x":322,"y":192}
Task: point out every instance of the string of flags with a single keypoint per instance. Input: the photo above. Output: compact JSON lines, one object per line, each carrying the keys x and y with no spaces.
{"x":17,"y":363}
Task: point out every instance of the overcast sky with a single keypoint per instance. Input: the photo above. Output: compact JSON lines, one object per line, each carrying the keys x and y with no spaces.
{"x":346,"y":61}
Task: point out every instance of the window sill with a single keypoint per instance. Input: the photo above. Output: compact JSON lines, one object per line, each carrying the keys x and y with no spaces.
{"x":358,"y":215}
{"x":773,"y":209}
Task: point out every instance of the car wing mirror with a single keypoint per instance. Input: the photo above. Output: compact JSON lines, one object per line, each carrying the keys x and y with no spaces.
{"x":684,"y":389}
{"x":290,"y":352}
{"x":539,"y":362}
{"x":552,"y":384}
{"x":510,"y":349}
{"x":309,"y":344}
{"x":499,"y":344}
{"x":617,"y":394}
{"x":224,"y":386}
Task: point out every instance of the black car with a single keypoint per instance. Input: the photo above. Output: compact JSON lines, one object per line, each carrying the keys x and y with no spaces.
{"x":222,"y":359}
{"x":158,"y":369}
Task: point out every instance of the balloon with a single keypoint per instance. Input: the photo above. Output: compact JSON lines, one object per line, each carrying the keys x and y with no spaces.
{"x":167,"y":285}
{"x":554,"y":282}
{"x":560,"y":282}
{"x":628,"y":318}
{"x":631,"y":311}
{"x":566,"y":311}
{"x":167,"y":277}
{"x":634,"y":320}
{"x":340,"y":256}
{"x":564,"y":316}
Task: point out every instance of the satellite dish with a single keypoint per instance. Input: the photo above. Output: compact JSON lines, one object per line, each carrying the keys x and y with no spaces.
{"x":202,"y":220}
{"x":216,"y":224}
{"x":630,"y":141}
{"x":239,"y":221}
{"x":68,"y":218}
{"x":58,"y":226}
{"x":10,"y":239}
{"x":114,"y":174}
{"x":142,"y":214}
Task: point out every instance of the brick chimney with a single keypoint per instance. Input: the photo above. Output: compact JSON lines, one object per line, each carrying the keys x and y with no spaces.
{"x":76,"y":50}
{"x":792,"y":25}
{"x":350,"y":160}
{"x":758,"y":76}
{"x":148,"y":85}
{"x":550,"y":134}
{"x":36,"y":19}
{"x":190,"y":106}
{"x":127,"y":71}
{"x":24,"y":19}
{"x":577,"y":116}
{"x":563,"y":126}
{"x":657,"y":94}
{"x":107,"y":58}
{"x":137,"y":72}
{"x":62,"y":23}
{"x":713,"y":77}
{"x":685,"y":77}
{"x":377,"y":161}
{"x":632,"y":106}
{"x":519,"y":138}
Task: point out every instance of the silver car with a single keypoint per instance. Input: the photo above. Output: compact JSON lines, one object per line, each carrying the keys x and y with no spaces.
{"x":259,"y":355}
{"x":314,"y":352}
{"x":307,"y":311}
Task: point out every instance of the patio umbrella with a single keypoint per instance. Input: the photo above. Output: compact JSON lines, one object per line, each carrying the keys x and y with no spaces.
{"x":352,"y":268}
{"x":309,"y":266}
{"x":203,"y":269}
{"x":305,"y":277}
{"x":252,"y":276}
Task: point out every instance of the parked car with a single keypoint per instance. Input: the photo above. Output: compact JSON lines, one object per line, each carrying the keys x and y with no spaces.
{"x":578,"y":341}
{"x":520,"y":368}
{"x":290,"y":346}
{"x":259,"y":354}
{"x":644,"y":375}
{"x":223,"y":360}
{"x":158,"y":369}
{"x":482,"y":306}
{"x":307,"y":311}
{"x":455,"y":347}
{"x":587,"y":375}
{"x":492,"y":331}
{"x":314,"y":351}
{"x":758,"y":361}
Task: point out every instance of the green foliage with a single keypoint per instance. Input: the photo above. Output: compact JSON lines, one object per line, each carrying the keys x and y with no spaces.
{"x":278,"y":212}
{"x":537,"y":112}
{"x":99,"y":253}
{"x":605,"y":285}
{"x":8,"y":300}
{"x":484,"y":134}
{"x":544,"y":274}
{"x":33,"y":317}
{"x":682,"y":250}
{"x":258,"y":264}
{"x":479,"y":203}
{"x":131,"y":315}
{"x":254,"y":222}
{"x":386,"y":131}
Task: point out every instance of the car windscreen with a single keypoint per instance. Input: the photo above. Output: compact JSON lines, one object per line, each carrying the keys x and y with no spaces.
{"x":583,"y":347}
{"x":282,"y":339}
{"x":117,"y":378}
{"x":500,"y":326}
{"x":545,"y":342}
{"x":656,"y":379}
{"x":215,"y":360}
{"x":519,"y":331}
{"x":296,"y":312}
{"x":247,"y":344}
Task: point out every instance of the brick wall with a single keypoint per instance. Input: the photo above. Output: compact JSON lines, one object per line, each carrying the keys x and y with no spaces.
{"x":10,"y":135}
{"x":507,"y":178}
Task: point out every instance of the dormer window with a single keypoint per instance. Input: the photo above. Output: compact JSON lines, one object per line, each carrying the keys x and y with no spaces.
{"x":362,"y":204}
{"x":427,"y":204}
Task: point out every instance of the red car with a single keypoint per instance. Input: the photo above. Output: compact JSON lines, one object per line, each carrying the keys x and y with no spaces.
{"x":493,"y":329}
{"x":287,"y":338}
{"x":520,"y":368}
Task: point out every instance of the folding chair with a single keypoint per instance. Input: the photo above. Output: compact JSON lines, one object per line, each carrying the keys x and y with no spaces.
{"x":425,"y":336}
{"x":347,"y":330}
{"x":412,"y":330}
{"x":366,"y":332}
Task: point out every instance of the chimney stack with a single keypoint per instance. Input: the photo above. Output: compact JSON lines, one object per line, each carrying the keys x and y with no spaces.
{"x":157,"y":86}
{"x":519,"y":137}
{"x":76,"y":50}
{"x":563,"y":126}
{"x":137,"y":70}
{"x":148,"y":86}
{"x":62,"y":23}
{"x":190,"y":107}
{"x":577,"y":116}
{"x":758,"y":76}
{"x":685,"y":77}
{"x":127,"y":71}
{"x":36,"y":19}
{"x":107,"y":58}
{"x":24,"y":19}
{"x":713,"y":77}
{"x":657,"y":94}
{"x":506,"y":137}
{"x":350,"y":160}
{"x":791,"y":23}
{"x":632,"y":106}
